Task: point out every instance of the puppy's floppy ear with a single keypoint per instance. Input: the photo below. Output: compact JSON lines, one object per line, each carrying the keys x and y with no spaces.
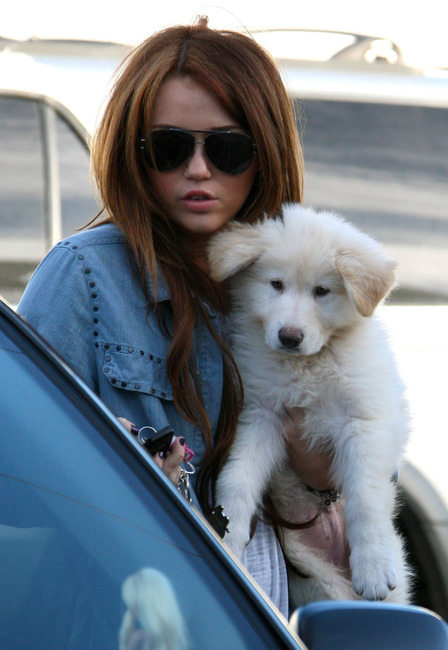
{"x":234,"y":249}
{"x":368,"y":276}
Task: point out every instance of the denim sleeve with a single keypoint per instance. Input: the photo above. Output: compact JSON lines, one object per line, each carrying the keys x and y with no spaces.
{"x":55,"y":305}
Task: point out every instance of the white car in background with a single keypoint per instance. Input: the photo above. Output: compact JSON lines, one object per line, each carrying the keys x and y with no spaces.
{"x":375,"y":139}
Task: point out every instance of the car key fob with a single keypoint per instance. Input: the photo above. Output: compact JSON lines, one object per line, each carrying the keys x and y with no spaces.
{"x":154,"y":441}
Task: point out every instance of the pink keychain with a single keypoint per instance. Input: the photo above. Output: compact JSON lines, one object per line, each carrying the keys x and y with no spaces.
{"x":189,"y":454}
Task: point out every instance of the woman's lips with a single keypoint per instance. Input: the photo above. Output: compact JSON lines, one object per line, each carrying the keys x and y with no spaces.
{"x":198,"y":200}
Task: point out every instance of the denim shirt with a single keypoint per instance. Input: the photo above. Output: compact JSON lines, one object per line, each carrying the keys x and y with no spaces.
{"x":86,"y":300}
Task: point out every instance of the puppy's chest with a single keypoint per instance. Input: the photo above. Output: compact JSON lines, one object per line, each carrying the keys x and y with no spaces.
{"x":304,"y":381}
{"x":307,"y":382}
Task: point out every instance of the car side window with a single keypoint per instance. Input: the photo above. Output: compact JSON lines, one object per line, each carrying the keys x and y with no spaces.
{"x":88,"y":538}
{"x":22,"y":179}
{"x":385,"y":168}
{"x":34,"y":137}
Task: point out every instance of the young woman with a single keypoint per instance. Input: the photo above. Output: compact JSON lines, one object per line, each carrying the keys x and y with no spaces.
{"x":198,"y":131}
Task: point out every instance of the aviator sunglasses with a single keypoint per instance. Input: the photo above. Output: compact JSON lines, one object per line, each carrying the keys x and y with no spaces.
{"x":169,"y":148}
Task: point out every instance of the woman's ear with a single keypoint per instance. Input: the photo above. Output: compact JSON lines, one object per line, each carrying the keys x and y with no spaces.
{"x":368,"y":276}
{"x":234,"y":249}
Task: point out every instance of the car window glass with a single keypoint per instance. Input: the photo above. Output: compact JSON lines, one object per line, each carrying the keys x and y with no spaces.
{"x":22,"y":205}
{"x":385,"y":168}
{"x":23,"y":208}
{"x":21,"y":178}
{"x":76,"y":522}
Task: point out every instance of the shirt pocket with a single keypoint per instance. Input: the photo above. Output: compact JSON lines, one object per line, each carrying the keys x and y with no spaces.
{"x":132,"y":369}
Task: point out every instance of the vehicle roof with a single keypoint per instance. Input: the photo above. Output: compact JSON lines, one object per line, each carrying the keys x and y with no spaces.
{"x":59,"y":68}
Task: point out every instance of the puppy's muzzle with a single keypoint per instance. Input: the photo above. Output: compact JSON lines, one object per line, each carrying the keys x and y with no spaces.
{"x":290,"y":337}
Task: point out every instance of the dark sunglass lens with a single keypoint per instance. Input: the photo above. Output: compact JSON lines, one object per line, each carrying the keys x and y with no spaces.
{"x":170,"y":149}
{"x":230,"y":152}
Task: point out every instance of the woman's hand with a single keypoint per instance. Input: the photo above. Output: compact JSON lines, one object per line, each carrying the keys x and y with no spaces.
{"x":312,"y":467}
{"x":169,"y":464}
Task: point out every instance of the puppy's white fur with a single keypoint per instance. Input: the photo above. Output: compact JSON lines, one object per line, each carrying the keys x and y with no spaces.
{"x":304,"y":291}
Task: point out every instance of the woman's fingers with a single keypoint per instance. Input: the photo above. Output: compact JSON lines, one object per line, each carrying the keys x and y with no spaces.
{"x":170,"y":462}
{"x":170,"y":465}
{"x":127,"y":425}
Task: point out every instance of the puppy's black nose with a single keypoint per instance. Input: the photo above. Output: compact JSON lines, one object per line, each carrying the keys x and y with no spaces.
{"x":290,"y":337}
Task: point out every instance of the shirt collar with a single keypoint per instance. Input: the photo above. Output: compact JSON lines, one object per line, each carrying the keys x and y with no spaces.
{"x":162,"y":291}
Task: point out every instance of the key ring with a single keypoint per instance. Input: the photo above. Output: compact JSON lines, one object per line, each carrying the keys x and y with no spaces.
{"x":191,"y":467}
{"x":140,"y":437}
{"x":183,"y":484}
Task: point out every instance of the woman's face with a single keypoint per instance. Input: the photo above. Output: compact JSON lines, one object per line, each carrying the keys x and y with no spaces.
{"x":197,"y":196}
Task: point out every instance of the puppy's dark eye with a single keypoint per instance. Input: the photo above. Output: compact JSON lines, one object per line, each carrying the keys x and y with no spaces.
{"x":277,"y":284}
{"x":321,"y":291}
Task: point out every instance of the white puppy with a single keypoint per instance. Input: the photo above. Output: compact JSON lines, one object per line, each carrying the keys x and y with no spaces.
{"x":304,"y":292}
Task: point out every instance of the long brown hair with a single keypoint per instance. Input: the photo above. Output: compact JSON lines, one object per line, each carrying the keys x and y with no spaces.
{"x":246,"y":82}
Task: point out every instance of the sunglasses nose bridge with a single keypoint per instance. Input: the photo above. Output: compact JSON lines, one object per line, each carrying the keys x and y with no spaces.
{"x":192,"y":145}
{"x":195,"y":148}
{"x":207,"y":147}
{"x":197,"y":163}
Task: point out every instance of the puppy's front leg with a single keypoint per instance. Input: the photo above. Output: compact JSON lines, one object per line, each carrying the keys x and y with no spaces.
{"x":365,"y":473}
{"x":258,"y":449}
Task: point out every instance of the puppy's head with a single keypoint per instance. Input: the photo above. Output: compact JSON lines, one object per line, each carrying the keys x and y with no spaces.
{"x":302,"y":278}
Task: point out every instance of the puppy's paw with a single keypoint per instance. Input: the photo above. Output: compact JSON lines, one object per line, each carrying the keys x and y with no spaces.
{"x":373,"y":575}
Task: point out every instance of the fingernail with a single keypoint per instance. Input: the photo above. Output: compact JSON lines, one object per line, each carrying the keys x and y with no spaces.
{"x":161,"y":454}
{"x":134,"y":429}
{"x":181,"y":441}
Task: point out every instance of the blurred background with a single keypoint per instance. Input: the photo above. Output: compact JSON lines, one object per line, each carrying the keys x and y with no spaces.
{"x":420,"y":30}
{"x":369,"y":83}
